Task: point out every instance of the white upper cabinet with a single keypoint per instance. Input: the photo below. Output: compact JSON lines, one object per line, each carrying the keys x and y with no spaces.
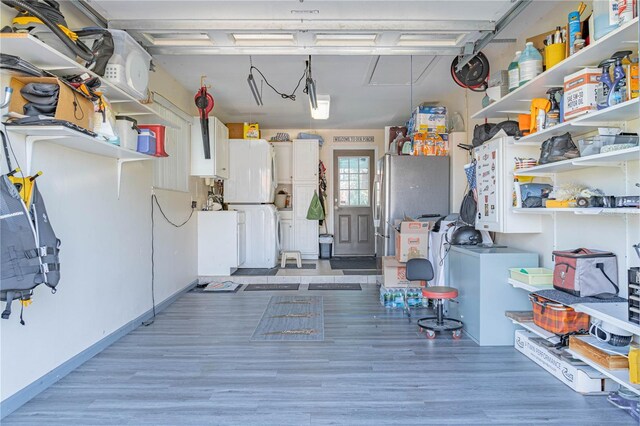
{"x":305,"y":160}
{"x":218,"y":165}
{"x":284,"y":162}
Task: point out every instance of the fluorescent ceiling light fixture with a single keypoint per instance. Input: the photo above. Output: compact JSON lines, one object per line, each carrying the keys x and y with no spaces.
{"x":430,"y":39}
{"x":254,"y":89}
{"x":346,"y":39}
{"x":263,"y":39}
{"x":178,"y":39}
{"x":322,"y":111}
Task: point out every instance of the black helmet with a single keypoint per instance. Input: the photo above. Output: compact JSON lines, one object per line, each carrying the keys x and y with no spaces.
{"x":466,"y":236}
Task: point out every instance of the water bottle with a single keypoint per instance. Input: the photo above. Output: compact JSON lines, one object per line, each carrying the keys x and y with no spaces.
{"x":514,"y":72}
{"x":399,"y":299}
{"x":529,"y":64}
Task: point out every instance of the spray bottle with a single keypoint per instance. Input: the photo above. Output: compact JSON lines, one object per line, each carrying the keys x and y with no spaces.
{"x":619,"y":89}
{"x":606,"y":85}
{"x":553,"y":115}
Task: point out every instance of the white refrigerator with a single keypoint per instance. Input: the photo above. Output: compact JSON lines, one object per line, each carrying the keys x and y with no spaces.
{"x":251,"y":188}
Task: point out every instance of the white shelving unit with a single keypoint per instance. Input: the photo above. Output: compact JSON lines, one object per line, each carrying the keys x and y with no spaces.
{"x":45,"y":57}
{"x":612,"y":313}
{"x":579,"y":211}
{"x":539,"y":331}
{"x":529,"y":287}
{"x":607,"y":159}
{"x":614,"y":116}
{"x":517,"y":102}
{"x":74,"y":139}
{"x":619,"y":376}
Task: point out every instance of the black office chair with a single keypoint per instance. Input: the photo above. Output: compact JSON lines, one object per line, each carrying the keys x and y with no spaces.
{"x":422,"y":270}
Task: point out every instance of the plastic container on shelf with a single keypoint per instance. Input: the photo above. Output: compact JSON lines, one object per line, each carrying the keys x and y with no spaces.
{"x":127,"y":129}
{"x":514,"y":72}
{"x":160,"y":131}
{"x":128,"y":68}
{"x":529,"y":64}
{"x":606,"y":143}
{"x":147,"y":142}
{"x":533,"y":276}
{"x":605,"y":17}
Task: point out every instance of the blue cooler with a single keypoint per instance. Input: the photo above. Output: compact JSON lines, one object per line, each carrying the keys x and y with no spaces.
{"x":147,"y":142}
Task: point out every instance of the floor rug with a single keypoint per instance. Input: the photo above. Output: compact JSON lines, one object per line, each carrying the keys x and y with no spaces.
{"x":353,"y":263}
{"x":293,"y":265}
{"x":226,"y":287}
{"x":291,"y":318}
{"x":335,"y":286}
{"x":271,"y":287}
{"x":250,"y":272}
{"x":361,"y":272}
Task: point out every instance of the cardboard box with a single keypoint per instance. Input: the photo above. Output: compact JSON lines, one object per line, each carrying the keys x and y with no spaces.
{"x":583,"y":379}
{"x":235,"y":130}
{"x":394,"y":273}
{"x":251,"y":131}
{"x":73,"y":106}
{"x":580,"y":92}
{"x":412,"y":240}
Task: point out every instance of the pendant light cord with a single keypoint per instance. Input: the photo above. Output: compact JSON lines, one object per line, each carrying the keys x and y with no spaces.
{"x":291,"y":96}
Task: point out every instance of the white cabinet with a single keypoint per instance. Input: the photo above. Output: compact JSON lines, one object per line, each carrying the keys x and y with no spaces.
{"x":305,"y":160}
{"x":494,"y":179}
{"x":284,"y":162}
{"x":221,"y":242}
{"x":218,"y":165}
{"x":305,"y":232}
{"x":286,"y":230}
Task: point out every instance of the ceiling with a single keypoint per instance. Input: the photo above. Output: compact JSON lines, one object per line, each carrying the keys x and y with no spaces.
{"x":362,"y":52}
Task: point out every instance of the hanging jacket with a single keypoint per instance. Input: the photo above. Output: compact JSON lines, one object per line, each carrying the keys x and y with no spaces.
{"x":29,"y":248}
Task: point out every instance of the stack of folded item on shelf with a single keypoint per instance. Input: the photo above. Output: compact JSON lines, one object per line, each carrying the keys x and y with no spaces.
{"x":42,"y":99}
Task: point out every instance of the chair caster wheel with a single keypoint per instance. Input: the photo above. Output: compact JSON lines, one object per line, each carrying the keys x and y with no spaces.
{"x":457,"y":334}
{"x":430,"y":334}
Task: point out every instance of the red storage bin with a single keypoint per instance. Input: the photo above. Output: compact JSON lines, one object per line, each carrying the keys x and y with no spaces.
{"x":159,"y":130}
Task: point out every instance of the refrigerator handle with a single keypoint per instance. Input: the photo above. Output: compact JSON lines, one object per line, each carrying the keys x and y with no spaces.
{"x":375,"y":209}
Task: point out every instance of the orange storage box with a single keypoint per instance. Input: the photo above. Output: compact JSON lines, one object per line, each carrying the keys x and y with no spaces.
{"x":160,"y":131}
{"x":557,"y":318}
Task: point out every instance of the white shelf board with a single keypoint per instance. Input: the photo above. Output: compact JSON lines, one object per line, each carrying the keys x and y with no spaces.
{"x":610,"y":159}
{"x":539,"y":331}
{"x":517,"y":102}
{"x":613,"y":313}
{"x":70,"y":138}
{"x":528,"y":287}
{"x":609,"y":117}
{"x":578,"y":211}
{"x":45,"y":57}
{"x":619,"y":376}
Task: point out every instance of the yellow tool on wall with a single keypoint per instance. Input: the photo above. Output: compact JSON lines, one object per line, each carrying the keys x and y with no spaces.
{"x":538,"y":104}
{"x":24,"y":185}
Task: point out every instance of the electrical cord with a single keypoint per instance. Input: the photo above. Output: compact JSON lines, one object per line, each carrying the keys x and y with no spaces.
{"x":154,"y":202}
{"x":292,"y":96}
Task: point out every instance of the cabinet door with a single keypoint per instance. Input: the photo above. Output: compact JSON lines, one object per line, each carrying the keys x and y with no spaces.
{"x":305,"y":160}
{"x":201,"y":166}
{"x":305,"y":232}
{"x":286,"y":235}
{"x":284,"y":155}
{"x":490,"y":181}
{"x":221,"y":150}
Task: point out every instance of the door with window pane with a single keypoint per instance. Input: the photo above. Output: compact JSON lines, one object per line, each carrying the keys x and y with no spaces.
{"x":353,"y":173}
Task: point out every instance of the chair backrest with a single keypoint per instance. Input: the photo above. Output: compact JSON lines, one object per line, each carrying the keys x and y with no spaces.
{"x":419,"y":269}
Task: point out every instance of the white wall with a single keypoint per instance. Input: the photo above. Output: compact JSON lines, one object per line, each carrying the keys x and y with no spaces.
{"x":326,"y":154}
{"x":105,"y":253}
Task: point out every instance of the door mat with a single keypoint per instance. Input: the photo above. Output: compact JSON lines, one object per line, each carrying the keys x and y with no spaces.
{"x":569,"y":299}
{"x":294,"y":266}
{"x":226,"y":287}
{"x":291,"y":318}
{"x":271,"y":287}
{"x":361,"y":272}
{"x":335,"y":286}
{"x":353,"y":263}
{"x":252,"y":272}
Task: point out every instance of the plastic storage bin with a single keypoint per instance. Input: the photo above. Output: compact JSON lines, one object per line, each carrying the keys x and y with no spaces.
{"x":147,"y":142}
{"x":606,"y":143}
{"x":532,"y":276}
{"x":127,"y":130}
{"x":128,"y":68}
{"x":326,"y":243}
{"x":160,"y":132}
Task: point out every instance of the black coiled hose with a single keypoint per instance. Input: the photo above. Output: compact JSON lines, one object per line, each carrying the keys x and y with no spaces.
{"x":78,"y":48}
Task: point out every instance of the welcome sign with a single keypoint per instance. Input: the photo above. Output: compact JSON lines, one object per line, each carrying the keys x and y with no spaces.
{"x":369,"y":139}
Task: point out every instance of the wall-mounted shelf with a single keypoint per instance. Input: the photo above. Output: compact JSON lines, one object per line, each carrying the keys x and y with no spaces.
{"x":613,"y":313}
{"x":619,"y":376}
{"x":539,"y":331}
{"x":73,"y":139}
{"x":517,"y":102}
{"x":579,"y":211}
{"x":614,"y":116}
{"x":528,"y":287}
{"x":607,"y":159}
{"x":45,"y":57}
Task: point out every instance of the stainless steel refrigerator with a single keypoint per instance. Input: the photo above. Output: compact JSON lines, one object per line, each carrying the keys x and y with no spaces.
{"x":407,"y":186}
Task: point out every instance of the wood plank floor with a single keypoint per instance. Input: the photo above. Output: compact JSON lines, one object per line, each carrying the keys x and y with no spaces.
{"x":196,"y":365}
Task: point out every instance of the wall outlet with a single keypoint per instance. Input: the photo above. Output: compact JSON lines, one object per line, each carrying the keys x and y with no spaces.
{"x":194,"y":204}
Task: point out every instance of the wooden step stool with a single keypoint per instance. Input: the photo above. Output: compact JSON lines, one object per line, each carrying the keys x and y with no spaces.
{"x":291,"y":255}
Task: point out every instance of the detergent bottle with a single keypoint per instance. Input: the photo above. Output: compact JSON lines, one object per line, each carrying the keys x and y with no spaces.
{"x":619,"y":89}
{"x":606,"y":85}
{"x":529,"y":64}
{"x":514,"y":72}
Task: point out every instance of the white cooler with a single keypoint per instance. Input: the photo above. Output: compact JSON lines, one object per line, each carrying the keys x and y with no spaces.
{"x":127,"y":130}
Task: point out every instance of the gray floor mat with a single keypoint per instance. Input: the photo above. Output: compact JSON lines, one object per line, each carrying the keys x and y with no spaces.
{"x":361,"y":272}
{"x":271,"y":287}
{"x":291,"y":318}
{"x":353,"y":263}
{"x":334,"y":286}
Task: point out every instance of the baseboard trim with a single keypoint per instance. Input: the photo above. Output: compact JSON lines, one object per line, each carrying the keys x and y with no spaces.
{"x":27,"y":393}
